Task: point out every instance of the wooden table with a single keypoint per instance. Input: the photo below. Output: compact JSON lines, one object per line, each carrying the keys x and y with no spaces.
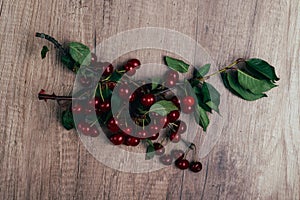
{"x":257,"y":155}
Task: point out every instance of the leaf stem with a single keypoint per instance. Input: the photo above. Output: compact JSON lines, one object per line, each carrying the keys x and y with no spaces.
{"x":54,"y":97}
{"x":53,"y":41}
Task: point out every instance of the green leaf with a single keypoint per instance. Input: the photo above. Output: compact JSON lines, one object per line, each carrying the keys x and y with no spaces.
{"x":150,"y":152}
{"x":256,"y":86}
{"x":261,"y":67}
{"x":163,"y":107}
{"x":67,"y":119}
{"x":44,"y":52}
{"x":242,"y":92}
{"x":199,"y":96}
{"x":202,"y":71}
{"x":211,"y":96}
{"x":115,"y":76}
{"x":201,"y":117}
{"x":69,"y":63}
{"x":80,"y":53}
{"x":177,"y":65}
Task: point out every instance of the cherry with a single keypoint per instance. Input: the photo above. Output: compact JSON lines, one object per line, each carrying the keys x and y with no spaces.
{"x":176,"y":101}
{"x":117,"y":139}
{"x":181,"y":126}
{"x":170,"y":83}
{"x":111,"y":85}
{"x":112,"y":125}
{"x":105,"y":106}
{"x":134,"y":62}
{"x":131,"y":72}
{"x":154,"y":136}
{"x":175,"y":137}
{"x":195,"y":166}
{"x":166,"y":159}
{"x":124,"y":91}
{"x":127,"y":130}
{"x":128,"y":67}
{"x":159,"y":148}
{"x":177,"y":153}
{"x":142,"y":134}
{"x":148,"y":100}
{"x":172,"y":78}
{"x":187,"y":109}
{"x":132,"y":97}
{"x":108,"y":71}
{"x":173,"y":116}
{"x":163,"y":122}
{"x":182,"y":163}
{"x":77,"y":108}
{"x":84,"y":128}
{"x":131,"y":141}
{"x":188,"y":101}
{"x":94,"y":132}
{"x":153,"y":129}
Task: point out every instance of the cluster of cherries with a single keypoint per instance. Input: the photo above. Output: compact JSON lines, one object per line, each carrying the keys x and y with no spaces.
{"x":119,"y":130}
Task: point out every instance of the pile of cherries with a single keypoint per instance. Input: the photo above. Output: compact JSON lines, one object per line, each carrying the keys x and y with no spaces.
{"x":121,"y":130}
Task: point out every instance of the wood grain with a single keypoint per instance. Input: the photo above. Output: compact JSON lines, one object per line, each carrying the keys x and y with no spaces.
{"x":257,"y":155}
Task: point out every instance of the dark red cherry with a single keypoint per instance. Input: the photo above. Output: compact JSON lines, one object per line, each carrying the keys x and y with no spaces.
{"x":154,"y":136}
{"x":111,"y":85}
{"x":188,"y":101}
{"x":132,"y":97}
{"x":77,"y":108}
{"x":181,"y":126}
{"x":159,"y":148}
{"x":112,"y":125}
{"x":84,"y":128}
{"x":187,"y":109}
{"x":94,"y":132}
{"x":148,"y":100}
{"x":127,"y":130}
{"x":166,"y":159}
{"x":153,"y":129}
{"x":105,"y":106}
{"x":195,"y":166}
{"x":108,"y":71}
{"x":177,"y":153}
{"x":173,"y":116}
{"x":182,"y":163}
{"x":175,"y":137}
{"x":172,"y":75}
{"x":117,"y":139}
{"x":176,"y":101}
{"x":170,"y":83}
{"x":134,"y":62}
{"x":131,"y":72}
{"x":124,"y":91}
{"x":142,"y":134}
{"x":163,"y":122}
{"x":131,"y":141}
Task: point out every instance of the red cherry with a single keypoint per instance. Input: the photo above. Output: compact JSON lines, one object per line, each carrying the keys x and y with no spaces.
{"x":84,"y":128}
{"x":131,"y":141}
{"x":175,"y":137}
{"x":94,"y":132}
{"x":112,"y":125}
{"x":77,"y":108}
{"x":177,"y":153}
{"x":142,"y":134}
{"x":159,"y":148}
{"x":172,"y":75}
{"x":153,"y":129}
{"x":173,"y":116}
{"x":134,"y":62}
{"x":188,"y":101}
{"x":148,"y":100}
{"x":131,"y":72}
{"x":195,"y":166}
{"x":154,"y":136}
{"x":182,"y":163}
{"x":163,"y":122}
{"x":181,"y":126}
{"x":124,"y":91}
{"x":166,"y":159}
{"x":176,"y":101}
{"x":128,"y":67}
{"x":117,"y":139}
{"x":187,"y":109}
{"x":108,"y":71}
{"x":170,"y":83}
{"x":132,"y":97}
{"x":111,"y":85}
{"x":105,"y":106}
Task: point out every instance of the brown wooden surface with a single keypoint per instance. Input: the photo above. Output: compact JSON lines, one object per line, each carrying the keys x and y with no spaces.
{"x":257,"y":155}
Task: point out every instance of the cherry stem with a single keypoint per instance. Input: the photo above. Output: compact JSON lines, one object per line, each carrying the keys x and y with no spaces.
{"x":223,"y":69}
{"x":52,"y":40}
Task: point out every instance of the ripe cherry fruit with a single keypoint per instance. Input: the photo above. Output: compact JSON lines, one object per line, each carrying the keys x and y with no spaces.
{"x":117,"y":139}
{"x":180,"y":126}
{"x":159,"y":148}
{"x":166,"y":159}
{"x":135,"y":63}
{"x":112,"y":125}
{"x":188,"y":101}
{"x":182,"y":163}
{"x":177,"y":153}
{"x":148,"y":100}
{"x":108,"y":71}
{"x":124,"y":91}
{"x":105,"y":106}
{"x":174,"y":137}
{"x":173,"y":116}
{"x":195,"y":166}
{"x":131,"y":141}
{"x":187,"y":109}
